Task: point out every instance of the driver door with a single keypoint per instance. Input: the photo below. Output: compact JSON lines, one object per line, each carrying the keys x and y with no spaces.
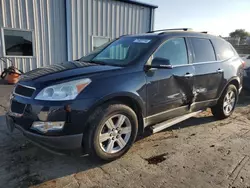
{"x":169,"y":90}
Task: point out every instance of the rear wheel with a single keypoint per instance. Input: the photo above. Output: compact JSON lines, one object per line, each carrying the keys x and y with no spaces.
{"x":226,"y":103}
{"x":113,"y":129}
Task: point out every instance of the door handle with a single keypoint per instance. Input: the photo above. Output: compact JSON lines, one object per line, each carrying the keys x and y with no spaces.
{"x":188,"y":75}
{"x":220,"y":70}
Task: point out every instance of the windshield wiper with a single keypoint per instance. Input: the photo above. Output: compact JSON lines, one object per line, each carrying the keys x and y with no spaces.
{"x":97,"y":62}
{"x":102,"y":63}
{"x":91,"y":61}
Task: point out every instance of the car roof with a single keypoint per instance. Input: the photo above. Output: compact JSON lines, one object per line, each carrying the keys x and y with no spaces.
{"x":173,"y":33}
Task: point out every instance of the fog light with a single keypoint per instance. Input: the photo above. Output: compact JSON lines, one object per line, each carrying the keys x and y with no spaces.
{"x":47,"y":126}
{"x":43,"y":115}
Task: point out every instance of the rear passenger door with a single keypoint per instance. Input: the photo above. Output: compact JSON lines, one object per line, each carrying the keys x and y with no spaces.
{"x":208,"y":71}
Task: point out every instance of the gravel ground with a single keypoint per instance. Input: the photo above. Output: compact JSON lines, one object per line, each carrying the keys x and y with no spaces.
{"x":199,"y":152}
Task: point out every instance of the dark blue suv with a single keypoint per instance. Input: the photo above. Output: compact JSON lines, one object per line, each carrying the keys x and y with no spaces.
{"x":100,"y":103}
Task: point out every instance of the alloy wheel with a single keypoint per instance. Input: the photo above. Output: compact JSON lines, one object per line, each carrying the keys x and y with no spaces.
{"x":115,"y":133}
{"x":229,"y":102}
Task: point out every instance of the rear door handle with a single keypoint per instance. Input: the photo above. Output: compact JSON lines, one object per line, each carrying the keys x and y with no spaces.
{"x":220,"y":70}
{"x":188,"y":75}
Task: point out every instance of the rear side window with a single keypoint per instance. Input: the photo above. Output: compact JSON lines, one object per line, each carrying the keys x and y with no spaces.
{"x":223,"y":49}
{"x":203,"y":50}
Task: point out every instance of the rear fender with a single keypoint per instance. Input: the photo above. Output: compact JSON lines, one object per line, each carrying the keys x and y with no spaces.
{"x":235,"y":81}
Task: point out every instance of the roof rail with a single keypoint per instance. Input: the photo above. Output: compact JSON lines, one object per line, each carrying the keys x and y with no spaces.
{"x":182,"y":29}
{"x":204,"y":32}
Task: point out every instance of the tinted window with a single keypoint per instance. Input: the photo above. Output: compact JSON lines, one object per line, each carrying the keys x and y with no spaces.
{"x":124,"y":50}
{"x":203,"y":50}
{"x":223,"y":49}
{"x":18,"y":43}
{"x":93,"y":53}
{"x":173,"y":50}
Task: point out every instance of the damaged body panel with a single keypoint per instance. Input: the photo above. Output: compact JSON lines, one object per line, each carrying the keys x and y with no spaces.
{"x":168,"y":89}
{"x":207,"y":80}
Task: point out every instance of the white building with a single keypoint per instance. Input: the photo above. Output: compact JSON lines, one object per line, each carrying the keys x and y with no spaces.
{"x":35,"y":33}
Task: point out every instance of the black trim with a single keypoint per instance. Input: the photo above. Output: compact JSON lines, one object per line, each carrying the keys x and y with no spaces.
{"x":190,"y":51}
{"x":68,"y":144}
{"x":215,"y":54}
{"x":139,"y":3}
{"x":187,"y":50}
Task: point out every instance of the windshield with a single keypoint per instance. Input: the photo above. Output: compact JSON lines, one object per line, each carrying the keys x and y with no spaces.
{"x":121,"y":52}
{"x":92,"y":54}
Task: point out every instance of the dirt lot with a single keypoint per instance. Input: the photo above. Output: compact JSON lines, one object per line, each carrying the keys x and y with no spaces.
{"x":199,"y":152}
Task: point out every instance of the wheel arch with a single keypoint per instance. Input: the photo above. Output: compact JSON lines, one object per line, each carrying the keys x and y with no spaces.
{"x":235,"y":81}
{"x":129,"y":99}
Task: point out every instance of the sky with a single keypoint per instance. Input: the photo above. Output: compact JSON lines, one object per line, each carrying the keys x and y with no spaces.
{"x":219,"y":17}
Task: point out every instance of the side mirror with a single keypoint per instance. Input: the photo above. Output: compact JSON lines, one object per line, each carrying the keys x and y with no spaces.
{"x":160,"y":63}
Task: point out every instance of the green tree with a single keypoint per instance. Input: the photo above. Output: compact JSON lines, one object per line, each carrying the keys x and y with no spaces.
{"x":241,"y":33}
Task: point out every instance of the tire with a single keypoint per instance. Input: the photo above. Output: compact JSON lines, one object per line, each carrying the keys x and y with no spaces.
{"x":221,"y":110}
{"x":102,"y":122}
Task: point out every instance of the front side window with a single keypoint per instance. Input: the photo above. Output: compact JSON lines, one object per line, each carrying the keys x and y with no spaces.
{"x":174,"y":51}
{"x":203,"y":50}
{"x":18,"y":42}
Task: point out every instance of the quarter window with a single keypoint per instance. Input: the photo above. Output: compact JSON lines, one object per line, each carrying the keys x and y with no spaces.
{"x":203,"y":50}
{"x":18,"y":42}
{"x":173,"y":50}
{"x":224,"y":50}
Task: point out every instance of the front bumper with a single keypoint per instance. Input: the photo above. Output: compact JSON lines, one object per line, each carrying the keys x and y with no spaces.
{"x":66,"y":144}
{"x":69,"y":140}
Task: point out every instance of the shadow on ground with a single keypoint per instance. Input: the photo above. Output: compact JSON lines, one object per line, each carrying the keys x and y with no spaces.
{"x":23,"y":164}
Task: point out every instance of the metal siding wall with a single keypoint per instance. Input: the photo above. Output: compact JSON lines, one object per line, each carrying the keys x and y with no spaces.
{"x":153,"y":19}
{"x":108,"y":18}
{"x":47,"y":20}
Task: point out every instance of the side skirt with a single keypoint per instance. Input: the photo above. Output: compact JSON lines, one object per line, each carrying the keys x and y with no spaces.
{"x":159,"y":127}
{"x":177,"y":112}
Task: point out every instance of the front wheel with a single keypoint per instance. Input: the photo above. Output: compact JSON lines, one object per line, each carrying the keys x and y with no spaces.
{"x":113,"y":130}
{"x":226,"y":104}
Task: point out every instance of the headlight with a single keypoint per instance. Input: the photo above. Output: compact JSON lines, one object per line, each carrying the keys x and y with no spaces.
{"x":47,"y":126}
{"x":64,"y":91}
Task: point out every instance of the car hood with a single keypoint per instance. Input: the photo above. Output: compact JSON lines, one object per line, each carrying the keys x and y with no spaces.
{"x":65,"y":70}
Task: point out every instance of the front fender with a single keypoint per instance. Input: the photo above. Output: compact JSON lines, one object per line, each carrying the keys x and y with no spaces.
{"x":128,"y":95}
